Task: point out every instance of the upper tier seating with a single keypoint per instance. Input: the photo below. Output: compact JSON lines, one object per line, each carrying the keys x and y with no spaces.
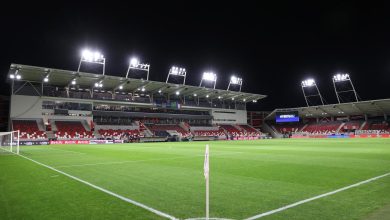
{"x":72,"y":130}
{"x":28,"y":129}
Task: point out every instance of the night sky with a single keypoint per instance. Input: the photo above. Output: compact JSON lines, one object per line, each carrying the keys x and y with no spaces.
{"x":272,"y":47}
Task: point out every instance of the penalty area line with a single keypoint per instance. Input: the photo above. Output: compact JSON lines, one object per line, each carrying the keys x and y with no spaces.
{"x":316,"y":197}
{"x":162,"y":214}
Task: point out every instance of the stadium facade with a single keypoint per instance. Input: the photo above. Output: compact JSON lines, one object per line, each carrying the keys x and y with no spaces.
{"x":61,"y":106}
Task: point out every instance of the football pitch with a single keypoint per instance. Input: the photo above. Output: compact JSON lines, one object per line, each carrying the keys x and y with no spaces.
{"x":297,"y":178}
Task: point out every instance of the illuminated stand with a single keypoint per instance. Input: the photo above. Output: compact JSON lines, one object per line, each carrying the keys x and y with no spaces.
{"x":177,"y":71}
{"x":235,"y":81}
{"x":342,"y":79}
{"x":309,"y":83}
{"x":96,"y":57}
{"x":136,"y":65}
{"x":209,"y":76}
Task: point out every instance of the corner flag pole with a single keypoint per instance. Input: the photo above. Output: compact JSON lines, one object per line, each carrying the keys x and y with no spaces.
{"x":206,"y":175}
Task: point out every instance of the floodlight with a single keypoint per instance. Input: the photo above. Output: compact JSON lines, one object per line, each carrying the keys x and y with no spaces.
{"x":177,"y":71}
{"x":344,"y":78}
{"x":244,"y":100}
{"x":96,"y":84}
{"x":234,"y":80}
{"x":341,"y":77}
{"x":12,"y":76}
{"x":92,"y":57}
{"x":74,"y":82}
{"x":195,"y":94}
{"x":177,"y":93}
{"x":18,"y":76}
{"x":121,"y":87}
{"x":233,"y":98}
{"x":159,"y":91}
{"x":209,"y":76}
{"x":308,"y":83}
{"x":207,"y":96}
{"x":134,"y":62}
{"x":143,"y":89}
{"x":46,"y":79}
{"x":136,"y":65}
{"x":254,"y":101}
{"x":219,"y":97}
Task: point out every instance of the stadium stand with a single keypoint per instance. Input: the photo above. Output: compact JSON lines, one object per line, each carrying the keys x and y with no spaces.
{"x":163,"y":130}
{"x":375,"y":127}
{"x":232,"y":130}
{"x":249,"y":131}
{"x":287,"y":128}
{"x":210,"y":133}
{"x":322,"y":127}
{"x":119,"y":134}
{"x":28,"y":130}
{"x":72,"y":130}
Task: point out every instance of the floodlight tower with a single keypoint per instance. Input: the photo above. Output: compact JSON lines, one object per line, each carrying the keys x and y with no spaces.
{"x":307,"y":84}
{"x":136,"y":65}
{"x":95,"y":57}
{"x":209,"y":76}
{"x":342,"y":78}
{"x":177,"y":71}
{"x":234,"y":80}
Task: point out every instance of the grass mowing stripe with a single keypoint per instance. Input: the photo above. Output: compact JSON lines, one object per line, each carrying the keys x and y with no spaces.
{"x":162,"y":214}
{"x":316,"y":197}
{"x":135,"y":161}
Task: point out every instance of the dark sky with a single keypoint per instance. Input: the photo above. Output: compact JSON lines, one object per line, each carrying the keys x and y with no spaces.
{"x":273,"y":46}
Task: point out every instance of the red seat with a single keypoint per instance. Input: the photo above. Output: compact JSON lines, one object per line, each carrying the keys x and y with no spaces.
{"x":28,"y":129}
{"x":72,"y":130}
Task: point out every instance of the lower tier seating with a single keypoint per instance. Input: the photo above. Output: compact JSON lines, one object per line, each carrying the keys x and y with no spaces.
{"x":28,"y":130}
{"x":210,"y":133}
{"x":72,"y":130}
{"x":322,"y":128}
{"x":156,"y":129}
{"x":118,"y":134}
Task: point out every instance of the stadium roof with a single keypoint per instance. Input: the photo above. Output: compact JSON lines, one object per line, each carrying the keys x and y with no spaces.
{"x":370,"y":108}
{"x":63,"y":78}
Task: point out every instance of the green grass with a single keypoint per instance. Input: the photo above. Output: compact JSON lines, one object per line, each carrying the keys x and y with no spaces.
{"x":246,"y":178}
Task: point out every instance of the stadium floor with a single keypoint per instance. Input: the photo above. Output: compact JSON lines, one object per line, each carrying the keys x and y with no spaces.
{"x":247,"y":178}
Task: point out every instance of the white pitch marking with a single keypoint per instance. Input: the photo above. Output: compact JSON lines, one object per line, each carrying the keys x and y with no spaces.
{"x":315,"y":197}
{"x":162,"y":214}
{"x":135,"y":161}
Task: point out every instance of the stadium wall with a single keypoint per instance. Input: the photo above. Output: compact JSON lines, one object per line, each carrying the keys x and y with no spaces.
{"x":25,"y":107}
